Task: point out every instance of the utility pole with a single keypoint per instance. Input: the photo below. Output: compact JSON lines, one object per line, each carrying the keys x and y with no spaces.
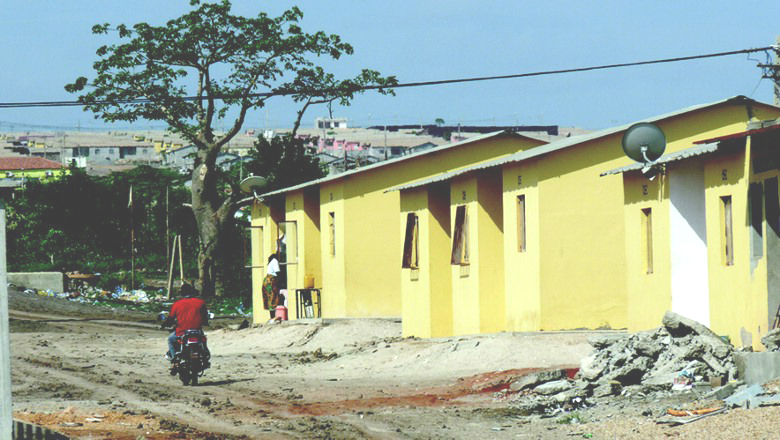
{"x":776,"y":78}
{"x":5,"y":338}
{"x":772,"y":71}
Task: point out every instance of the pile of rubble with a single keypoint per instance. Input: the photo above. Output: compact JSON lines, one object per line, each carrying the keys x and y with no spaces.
{"x":676,"y":355}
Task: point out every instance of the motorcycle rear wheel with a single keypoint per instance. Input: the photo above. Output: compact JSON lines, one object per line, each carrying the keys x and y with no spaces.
{"x":193,"y":378}
{"x":184,"y":375}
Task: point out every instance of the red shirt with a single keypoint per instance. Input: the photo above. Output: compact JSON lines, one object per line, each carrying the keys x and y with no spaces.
{"x":190,"y":313}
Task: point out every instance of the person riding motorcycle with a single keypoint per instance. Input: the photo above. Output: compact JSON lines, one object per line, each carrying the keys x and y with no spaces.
{"x":188,"y":313}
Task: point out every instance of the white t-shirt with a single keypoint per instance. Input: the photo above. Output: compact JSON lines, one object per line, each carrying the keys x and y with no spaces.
{"x":273,"y":267}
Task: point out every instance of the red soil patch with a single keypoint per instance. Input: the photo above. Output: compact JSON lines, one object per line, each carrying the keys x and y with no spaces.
{"x":435,"y":396}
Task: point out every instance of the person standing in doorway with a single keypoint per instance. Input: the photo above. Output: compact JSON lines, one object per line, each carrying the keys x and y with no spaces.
{"x":271,"y":295}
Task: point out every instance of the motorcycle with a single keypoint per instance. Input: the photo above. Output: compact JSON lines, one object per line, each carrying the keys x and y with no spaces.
{"x":192,"y":359}
{"x":193,"y":356}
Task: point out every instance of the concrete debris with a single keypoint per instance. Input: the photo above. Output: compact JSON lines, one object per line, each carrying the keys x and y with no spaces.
{"x":658,"y":356}
{"x":681,"y":351}
{"x":534,"y":379}
{"x":554,"y":387}
{"x":772,"y":340}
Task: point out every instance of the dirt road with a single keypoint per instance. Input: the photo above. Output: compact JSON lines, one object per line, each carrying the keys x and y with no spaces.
{"x":99,"y":373}
{"x":95,"y":372}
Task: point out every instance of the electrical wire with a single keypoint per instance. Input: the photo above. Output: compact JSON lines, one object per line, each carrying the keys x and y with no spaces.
{"x":396,"y":86}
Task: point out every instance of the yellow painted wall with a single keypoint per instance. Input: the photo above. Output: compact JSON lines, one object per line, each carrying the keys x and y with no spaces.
{"x":36,"y":174}
{"x":426,"y":293}
{"x":334,"y":300}
{"x":649,"y":295}
{"x":490,"y":221}
{"x":583,"y":232}
{"x":363,"y":279}
{"x":465,"y":278}
{"x":521,"y":271}
{"x":478,"y":301}
{"x":582,"y":256}
{"x":737,"y":299}
{"x":738,"y":295}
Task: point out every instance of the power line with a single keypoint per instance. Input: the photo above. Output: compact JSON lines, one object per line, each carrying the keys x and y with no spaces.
{"x":397,"y":86}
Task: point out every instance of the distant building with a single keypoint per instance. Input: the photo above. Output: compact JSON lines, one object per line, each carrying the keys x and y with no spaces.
{"x":111,"y":154}
{"x":326,"y":123}
{"x":15,"y":172}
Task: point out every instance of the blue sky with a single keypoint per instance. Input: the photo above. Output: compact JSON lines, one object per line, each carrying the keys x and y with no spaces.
{"x":46,"y":44}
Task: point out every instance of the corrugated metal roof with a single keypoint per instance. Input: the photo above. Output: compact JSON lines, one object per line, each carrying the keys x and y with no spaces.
{"x":399,"y":159}
{"x":566,"y":143}
{"x":698,"y":150}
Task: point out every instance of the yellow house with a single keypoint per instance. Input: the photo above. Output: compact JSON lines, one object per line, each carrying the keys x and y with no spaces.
{"x":15,"y":171}
{"x":536,"y":240}
{"x":343,"y":230}
{"x":703,"y":239}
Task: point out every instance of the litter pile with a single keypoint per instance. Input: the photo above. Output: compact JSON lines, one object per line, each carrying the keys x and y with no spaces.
{"x":95,"y":296}
{"x":676,"y":356}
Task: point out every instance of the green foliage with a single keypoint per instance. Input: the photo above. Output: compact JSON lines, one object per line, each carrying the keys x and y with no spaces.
{"x":283,"y":162}
{"x":155,"y":64}
{"x":190,"y":72}
{"x":82,"y":223}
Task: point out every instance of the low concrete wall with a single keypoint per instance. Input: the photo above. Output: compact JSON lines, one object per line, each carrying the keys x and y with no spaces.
{"x":757,"y":368}
{"x":38,"y":280}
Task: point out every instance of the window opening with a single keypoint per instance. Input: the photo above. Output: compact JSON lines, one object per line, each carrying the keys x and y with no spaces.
{"x":727,"y":231}
{"x":411,"y":243}
{"x":647,"y":232}
{"x":332,"y":232}
{"x":521,"y":243}
{"x":460,"y":243}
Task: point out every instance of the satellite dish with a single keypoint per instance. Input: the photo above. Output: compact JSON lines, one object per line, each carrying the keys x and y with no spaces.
{"x":253,"y":183}
{"x":644,"y":142}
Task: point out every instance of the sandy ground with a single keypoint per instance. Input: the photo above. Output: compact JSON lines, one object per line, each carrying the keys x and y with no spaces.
{"x":97,"y":373}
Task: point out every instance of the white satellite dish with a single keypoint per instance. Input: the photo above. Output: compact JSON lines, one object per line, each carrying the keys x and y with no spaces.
{"x":645,"y":143}
{"x":252,"y":184}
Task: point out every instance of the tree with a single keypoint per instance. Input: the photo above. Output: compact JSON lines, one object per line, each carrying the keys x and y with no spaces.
{"x":179,"y":73}
{"x":439,"y":122}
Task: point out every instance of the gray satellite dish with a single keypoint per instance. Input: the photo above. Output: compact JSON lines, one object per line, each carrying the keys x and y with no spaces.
{"x":644,"y":142}
{"x":252,"y":184}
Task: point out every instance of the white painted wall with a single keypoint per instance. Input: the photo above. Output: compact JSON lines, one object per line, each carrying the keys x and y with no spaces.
{"x":690,"y":289}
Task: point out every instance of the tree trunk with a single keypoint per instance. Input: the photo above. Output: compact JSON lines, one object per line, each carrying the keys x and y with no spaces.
{"x":207,"y":206}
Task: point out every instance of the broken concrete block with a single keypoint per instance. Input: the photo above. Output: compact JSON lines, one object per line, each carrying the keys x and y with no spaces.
{"x":568,"y":395}
{"x":660,"y":379}
{"x":534,"y":379}
{"x":744,"y":397}
{"x":647,"y":348}
{"x":772,"y":340}
{"x":632,"y":373}
{"x":592,"y":367}
{"x":721,"y":393}
{"x":554,"y":387}
{"x":607,"y":388}
{"x":678,"y":325}
{"x":757,"y":368}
